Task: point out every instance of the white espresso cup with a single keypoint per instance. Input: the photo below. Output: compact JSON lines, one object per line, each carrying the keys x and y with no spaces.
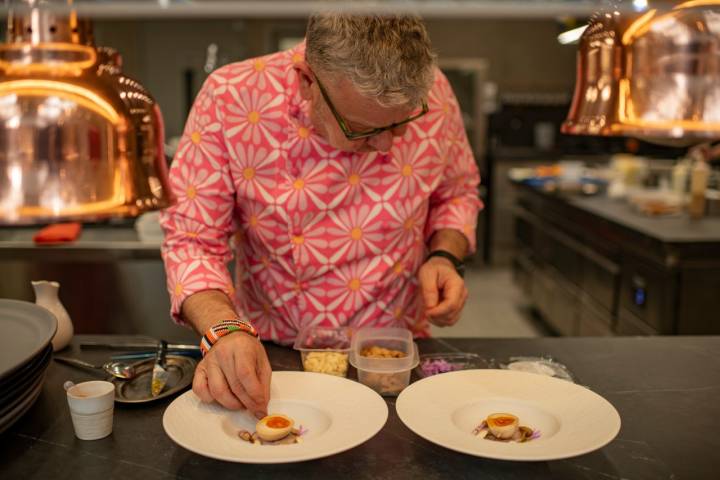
{"x":91,"y":408}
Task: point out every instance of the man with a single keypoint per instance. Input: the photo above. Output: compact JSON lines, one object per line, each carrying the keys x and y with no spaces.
{"x":341,"y":170}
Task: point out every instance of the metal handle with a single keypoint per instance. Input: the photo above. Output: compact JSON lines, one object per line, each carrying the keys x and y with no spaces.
{"x":136,"y":346}
{"x":77,"y":363}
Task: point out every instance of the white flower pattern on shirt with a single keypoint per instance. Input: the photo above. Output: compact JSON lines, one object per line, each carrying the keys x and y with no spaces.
{"x":319,"y":236}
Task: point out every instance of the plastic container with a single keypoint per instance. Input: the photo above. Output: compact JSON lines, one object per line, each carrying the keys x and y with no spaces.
{"x":435,"y":363}
{"x":324,"y":349}
{"x":539,"y":365}
{"x":387,"y":376}
{"x":571,"y":172}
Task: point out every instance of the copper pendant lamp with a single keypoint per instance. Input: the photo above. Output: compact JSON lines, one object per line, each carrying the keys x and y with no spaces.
{"x":654,"y":75}
{"x":78,"y":139}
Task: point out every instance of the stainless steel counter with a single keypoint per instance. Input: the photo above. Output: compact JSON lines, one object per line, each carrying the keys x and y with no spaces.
{"x":110,"y":281}
{"x":94,"y":242}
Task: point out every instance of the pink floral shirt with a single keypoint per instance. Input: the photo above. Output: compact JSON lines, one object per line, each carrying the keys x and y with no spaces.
{"x":320,"y":236}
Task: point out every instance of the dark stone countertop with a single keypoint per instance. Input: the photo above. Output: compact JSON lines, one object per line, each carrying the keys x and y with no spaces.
{"x":669,"y":229}
{"x":676,"y":229}
{"x":665,"y":388}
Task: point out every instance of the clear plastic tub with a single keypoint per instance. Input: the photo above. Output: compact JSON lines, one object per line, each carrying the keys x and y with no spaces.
{"x":390,"y":375}
{"x":324,"y":349}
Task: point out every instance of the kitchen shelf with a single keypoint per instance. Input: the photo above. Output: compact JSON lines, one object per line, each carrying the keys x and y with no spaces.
{"x":528,"y":9}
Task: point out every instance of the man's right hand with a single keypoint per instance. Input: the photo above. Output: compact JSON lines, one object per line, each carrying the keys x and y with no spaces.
{"x":235,"y":373}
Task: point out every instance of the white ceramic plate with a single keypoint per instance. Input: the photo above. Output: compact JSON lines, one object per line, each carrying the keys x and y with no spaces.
{"x":25,"y":330}
{"x":445,"y":409}
{"x":338,"y":413}
{"x":23,"y":405}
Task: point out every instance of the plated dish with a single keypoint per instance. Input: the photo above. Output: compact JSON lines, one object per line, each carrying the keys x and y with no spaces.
{"x":449,"y":410}
{"x":335,"y":413}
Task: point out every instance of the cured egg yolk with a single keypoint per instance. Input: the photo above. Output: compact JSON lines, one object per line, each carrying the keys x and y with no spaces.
{"x":274,"y":427}
{"x":502,"y":425}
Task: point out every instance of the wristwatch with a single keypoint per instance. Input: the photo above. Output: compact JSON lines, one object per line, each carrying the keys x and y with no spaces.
{"x":457,"y":263}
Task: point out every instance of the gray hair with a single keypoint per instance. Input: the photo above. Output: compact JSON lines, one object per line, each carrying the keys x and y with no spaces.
{"x":388,"y":58}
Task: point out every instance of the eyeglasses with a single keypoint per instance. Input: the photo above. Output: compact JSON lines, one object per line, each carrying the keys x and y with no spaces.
{"x":349,"y":134}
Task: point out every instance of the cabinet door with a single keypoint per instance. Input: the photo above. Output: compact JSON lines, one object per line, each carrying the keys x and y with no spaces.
{"x":565,"y":308}
{"x":594,"y":320}
{"x":699,"y":310}
{"x":555,"y":300}
{"x":629,"y":324}
{"x":522,"y":272}
{"x":649,"y":294}
{"x":601,"y":280}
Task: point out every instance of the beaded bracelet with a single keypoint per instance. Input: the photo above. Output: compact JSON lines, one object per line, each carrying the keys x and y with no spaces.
{"x":214,"y":333}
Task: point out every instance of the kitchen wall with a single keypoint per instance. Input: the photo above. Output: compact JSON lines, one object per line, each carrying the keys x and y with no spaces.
{"x":524,"y":55}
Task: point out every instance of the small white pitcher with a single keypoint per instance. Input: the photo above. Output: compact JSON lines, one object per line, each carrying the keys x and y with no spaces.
{"x":46,"y":295}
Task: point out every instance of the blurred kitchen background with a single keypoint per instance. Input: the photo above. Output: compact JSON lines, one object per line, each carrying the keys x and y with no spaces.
{"x":581,"y":235}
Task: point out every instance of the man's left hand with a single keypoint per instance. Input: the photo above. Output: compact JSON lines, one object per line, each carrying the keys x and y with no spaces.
{"x":443,"y":291}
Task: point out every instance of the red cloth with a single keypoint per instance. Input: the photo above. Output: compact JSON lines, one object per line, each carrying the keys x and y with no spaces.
{"x":58,"y":233}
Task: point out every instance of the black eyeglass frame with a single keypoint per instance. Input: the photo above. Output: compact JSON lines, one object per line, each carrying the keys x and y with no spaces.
{"x":349,"y":134}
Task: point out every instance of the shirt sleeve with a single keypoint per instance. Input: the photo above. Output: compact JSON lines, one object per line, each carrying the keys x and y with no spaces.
{"x":198,"y":227}
{"x":455,"y":203}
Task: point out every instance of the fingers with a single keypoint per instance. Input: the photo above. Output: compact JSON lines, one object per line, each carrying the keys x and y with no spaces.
{"x":456,"y":317}
{"x":220,"y":389}
{"x":452,"y":319}
{"x":200,"y":384}
{"x":235,"y":374}
{"x":247,"y":385}
{"x":264,"y":374}
{"x":428,"y":287}
{"x":454,"y":294}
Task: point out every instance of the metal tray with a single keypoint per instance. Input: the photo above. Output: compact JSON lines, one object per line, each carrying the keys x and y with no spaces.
{"x":181,"y":370}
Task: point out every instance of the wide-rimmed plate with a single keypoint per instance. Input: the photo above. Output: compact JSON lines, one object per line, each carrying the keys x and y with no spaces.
{"x":30,"y":373}
{"x":445,"y":409}
{"x":9,"y":407}
{"x":25,"y":330}
{"x":338,"y":413}
{"x":21,"y":407}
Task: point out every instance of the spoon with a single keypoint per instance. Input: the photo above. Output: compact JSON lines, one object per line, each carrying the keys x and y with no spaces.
{"x":116,"y":369}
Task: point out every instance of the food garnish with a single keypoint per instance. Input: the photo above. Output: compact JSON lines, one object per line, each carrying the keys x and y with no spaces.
{"x":275,"y":429}
{"x":505,"y":427}
{"x":333,"y":363}
{"x":435,"y":366}
{"x":381,"y":352}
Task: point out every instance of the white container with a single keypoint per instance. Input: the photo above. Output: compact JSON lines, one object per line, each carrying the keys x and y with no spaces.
{"x":91,"y":408}
{"x":46,"y":296}
{"x":571,"y":172}
{"x":387,"y":376}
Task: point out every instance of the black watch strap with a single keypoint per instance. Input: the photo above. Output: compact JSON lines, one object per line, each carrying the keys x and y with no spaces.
{"x":459,"y":264}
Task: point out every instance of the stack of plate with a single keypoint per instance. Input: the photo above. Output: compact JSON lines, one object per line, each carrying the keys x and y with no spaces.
{"x":25,"y":352}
